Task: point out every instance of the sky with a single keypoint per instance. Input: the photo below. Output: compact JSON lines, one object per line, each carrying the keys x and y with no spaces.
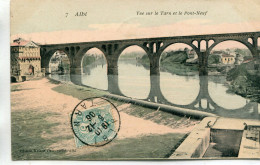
{"x":45,"y":21}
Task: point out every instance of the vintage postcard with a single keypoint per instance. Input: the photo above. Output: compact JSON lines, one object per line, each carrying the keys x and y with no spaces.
{"x":133,"y":80}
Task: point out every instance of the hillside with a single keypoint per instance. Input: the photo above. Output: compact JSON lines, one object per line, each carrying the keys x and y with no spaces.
{"x":173,"y":62}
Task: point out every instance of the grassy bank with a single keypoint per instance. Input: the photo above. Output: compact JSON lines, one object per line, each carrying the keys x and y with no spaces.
{"x":34,"y":134}
{"x":159,"y":117}
{"x":28,"y":143}
{"x":79,"y":92}
{"x":151,"y":146}
{"x":27,"y":128}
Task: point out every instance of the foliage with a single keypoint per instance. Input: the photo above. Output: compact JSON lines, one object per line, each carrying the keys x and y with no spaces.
{"x":145,"y":61}
{"x":174,"y":57}
{"x":214,"y":59}
{"x":173,"y":62}
{"x":87,"y":60}
{"x":244,"y":83}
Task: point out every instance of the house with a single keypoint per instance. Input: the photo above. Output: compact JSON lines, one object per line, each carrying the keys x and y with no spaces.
{"x":25,"y":58}
{"x":227,"y":59}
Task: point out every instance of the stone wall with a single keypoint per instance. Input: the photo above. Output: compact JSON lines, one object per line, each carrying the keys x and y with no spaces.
{"x":25,"y":64}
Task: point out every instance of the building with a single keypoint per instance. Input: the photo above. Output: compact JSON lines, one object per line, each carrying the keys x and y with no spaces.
{"x":227,"y":59}
{"x":25,"y":59}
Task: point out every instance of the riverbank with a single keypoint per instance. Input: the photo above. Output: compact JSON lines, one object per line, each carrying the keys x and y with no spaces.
{"x":173,"y":62}
{"x":244,"y":81}
{"x":40,"y":121}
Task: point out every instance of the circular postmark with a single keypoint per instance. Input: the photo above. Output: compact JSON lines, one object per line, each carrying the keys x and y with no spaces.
{"x":95,"y":121}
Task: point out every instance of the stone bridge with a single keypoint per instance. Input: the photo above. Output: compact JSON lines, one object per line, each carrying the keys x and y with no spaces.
{"x":202,"y":45}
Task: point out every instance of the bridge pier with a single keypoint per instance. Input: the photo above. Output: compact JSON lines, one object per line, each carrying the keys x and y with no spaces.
{"x":75,"y":75}
{"x":203,"y":63}
{"x":154,"y":64}
{"x":113,"y":86}
{"x":204,"y":94}
{"x":155,"y":94}
{"x":204,"y":91}
{"x":255,"y":51}
{"x":112,"y":74}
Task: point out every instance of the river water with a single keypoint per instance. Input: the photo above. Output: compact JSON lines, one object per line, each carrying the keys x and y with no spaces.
{"x":134,"y":81}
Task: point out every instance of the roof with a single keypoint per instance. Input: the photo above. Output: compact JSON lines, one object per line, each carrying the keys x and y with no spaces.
{"x":249,"y":60}
{"x":25,"y":43}
{"x":227,"y":55}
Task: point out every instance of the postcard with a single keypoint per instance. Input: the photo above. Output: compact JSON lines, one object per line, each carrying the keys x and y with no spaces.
{"x":135,"y":80}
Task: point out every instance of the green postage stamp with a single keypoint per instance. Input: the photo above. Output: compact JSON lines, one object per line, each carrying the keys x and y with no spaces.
{"x":96,"y":125}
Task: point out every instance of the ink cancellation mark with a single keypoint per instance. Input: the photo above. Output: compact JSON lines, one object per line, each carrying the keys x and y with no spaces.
{"x":95,"y":121}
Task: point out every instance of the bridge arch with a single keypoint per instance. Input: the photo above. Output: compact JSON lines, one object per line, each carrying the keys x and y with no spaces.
{"x":165,"y":46}
{"x":244,"y":42}
{"x":210,"y":42}
{"x":227,"y":44}
{"x":94,"y":69}
{"x":203,"y":45}
{"x":81,"y":51}
{"x":175,"y":87}
{"x":222,"y":58}
{"x":46,"y":56}
{"x":86,"y":49}
{"x":134,"y":71}
{"x":124,"y":47}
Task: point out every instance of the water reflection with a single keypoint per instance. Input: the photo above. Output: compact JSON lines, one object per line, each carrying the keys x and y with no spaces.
{"x":180,"y":90}
{"x":94,"y":69}
{"x":218,"y":91}
{"x":95,"y":75}
{"x":61,"y":77}
{"x":208,"y":93}
{"x":133,"y":79}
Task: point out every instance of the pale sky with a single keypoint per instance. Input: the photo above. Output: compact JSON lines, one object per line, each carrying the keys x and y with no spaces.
{"x":46,"y":21}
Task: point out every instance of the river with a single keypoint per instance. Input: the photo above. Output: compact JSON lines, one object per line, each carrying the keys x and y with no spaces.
{"x":134,"y":81}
